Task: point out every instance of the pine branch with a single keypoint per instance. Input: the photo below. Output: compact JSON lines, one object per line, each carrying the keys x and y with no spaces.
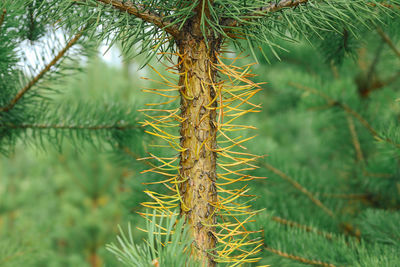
{"x":374,"y":64}
{"x":347,"y":196}
{"x":393,"y":6}
{"x":348,"y":109}
{"x":143,"y":14}
{"x":371,"y":81}
{"x":69,"y":127}
{"x":132,"y":154}
{"x":272,"y":7}
{"x":298,"y":258}
{"x":359,"y":153}
{"x":55,"y":60}
{"x":301,"y":226}
{"x":299,"y":187}
{"x":354,"y":137}
{"x":386,"y":38}
{"x":3,"y":15}
{"x":276,"y":6}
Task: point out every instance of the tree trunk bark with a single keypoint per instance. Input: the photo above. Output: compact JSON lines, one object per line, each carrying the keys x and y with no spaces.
{"x":198,"y":138}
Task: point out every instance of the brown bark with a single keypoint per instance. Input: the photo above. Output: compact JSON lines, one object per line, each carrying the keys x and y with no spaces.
{"x":140,"y":11}
{"x":198,"y":138}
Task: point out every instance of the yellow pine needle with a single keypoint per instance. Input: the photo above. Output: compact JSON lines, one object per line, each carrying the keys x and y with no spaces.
{"x":161,"y":168}
{"x":163,"y":83}
{"x":239,"y":142}
{"x":172,"y":84}
{"x":164,"y":173}
{"x":167,"y":135}
{"x":239,"y":97}
{"x":155,"y":109}
{"x":160,"y":89}
{"x":162,"y":103}
{"x":160,"y":182}
{"x":160,"y":94}
{"x":231,"y":95}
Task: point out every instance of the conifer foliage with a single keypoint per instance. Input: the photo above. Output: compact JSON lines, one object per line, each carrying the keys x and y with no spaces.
{"x":206,"y":92}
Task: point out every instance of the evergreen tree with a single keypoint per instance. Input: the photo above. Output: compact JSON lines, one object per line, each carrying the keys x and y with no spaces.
{"x":213,"y":92}
{"x":333,"y":153}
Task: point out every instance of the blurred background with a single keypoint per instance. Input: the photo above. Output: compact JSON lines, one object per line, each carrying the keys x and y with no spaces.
{"x":328,"y":129}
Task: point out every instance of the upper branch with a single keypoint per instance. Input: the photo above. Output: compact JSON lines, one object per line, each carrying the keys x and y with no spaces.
{"x":282,"y":4}
{"x":272,"y":7}
{"x":143,"y":14}
{"x":27,"y":87}
{"x":276,"y":6}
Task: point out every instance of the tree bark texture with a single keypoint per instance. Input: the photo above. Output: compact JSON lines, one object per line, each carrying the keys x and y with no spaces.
{"x":198,"y":138}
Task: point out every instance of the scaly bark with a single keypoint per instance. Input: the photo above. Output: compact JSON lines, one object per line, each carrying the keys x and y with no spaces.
{"x":198,"y":137}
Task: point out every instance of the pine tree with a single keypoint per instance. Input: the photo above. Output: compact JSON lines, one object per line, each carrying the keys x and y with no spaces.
{"x":338,"y":159}
{"x":193,"y":37}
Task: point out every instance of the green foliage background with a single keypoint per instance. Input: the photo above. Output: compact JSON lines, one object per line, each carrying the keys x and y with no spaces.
{"x":58,"y":209}
{"x":60,"y":206}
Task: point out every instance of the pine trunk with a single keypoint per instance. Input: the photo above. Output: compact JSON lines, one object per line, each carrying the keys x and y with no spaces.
{"x":198,"y":138}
